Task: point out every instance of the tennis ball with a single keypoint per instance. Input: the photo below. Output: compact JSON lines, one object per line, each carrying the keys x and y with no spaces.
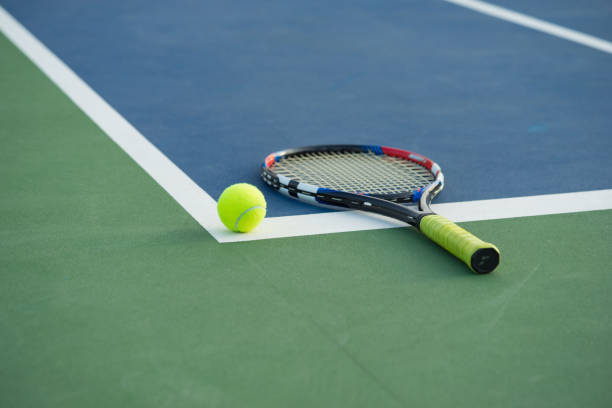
{"x":241,"y":207}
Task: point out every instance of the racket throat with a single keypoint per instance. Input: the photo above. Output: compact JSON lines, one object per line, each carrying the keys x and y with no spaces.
{"x":371,"y":204}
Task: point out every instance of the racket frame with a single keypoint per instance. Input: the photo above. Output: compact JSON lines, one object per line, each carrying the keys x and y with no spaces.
{"x":391,"y":205}
{"x":481,"y":257}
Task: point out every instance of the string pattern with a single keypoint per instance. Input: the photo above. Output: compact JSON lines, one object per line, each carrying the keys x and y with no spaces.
{"x":355,"y":172}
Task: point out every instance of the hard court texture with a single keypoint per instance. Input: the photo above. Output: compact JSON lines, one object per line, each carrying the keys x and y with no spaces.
{"x":111,"y":295}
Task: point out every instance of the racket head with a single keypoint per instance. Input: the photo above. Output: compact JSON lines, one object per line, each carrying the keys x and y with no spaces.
{"x":391,"y":174}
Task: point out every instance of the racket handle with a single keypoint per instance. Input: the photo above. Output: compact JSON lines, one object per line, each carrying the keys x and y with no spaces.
{"x":480,"y":256}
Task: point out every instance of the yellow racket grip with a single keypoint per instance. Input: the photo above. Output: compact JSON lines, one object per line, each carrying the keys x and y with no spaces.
{"x":480,"y":256}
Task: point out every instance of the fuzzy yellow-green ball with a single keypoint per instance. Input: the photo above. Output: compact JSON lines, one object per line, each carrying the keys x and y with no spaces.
{"x":241,"y":207}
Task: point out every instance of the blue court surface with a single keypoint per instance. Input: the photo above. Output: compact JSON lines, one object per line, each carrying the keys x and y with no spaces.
{"x":121,"y":122}
{"x":505,"y":110}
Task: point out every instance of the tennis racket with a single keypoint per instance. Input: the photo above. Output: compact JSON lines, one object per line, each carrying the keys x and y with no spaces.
{"x":383,"y":180}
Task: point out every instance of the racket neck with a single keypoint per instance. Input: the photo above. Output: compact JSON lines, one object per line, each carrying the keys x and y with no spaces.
{"x":374,"y":205}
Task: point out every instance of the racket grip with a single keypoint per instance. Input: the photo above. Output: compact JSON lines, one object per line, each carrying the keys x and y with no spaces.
{"x":480,"y":256}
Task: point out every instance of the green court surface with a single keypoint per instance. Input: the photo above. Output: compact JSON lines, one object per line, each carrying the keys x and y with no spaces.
{"x":112,"y":295}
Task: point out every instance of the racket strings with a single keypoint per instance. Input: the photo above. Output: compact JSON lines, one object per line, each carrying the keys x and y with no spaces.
{"x":358,"y":172}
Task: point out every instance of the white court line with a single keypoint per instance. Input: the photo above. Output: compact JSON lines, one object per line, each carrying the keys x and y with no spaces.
{"x":343,"y":221}
{"x":535,"y":24}
{"x":202,"y":207}
{"x":188,"y":194}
